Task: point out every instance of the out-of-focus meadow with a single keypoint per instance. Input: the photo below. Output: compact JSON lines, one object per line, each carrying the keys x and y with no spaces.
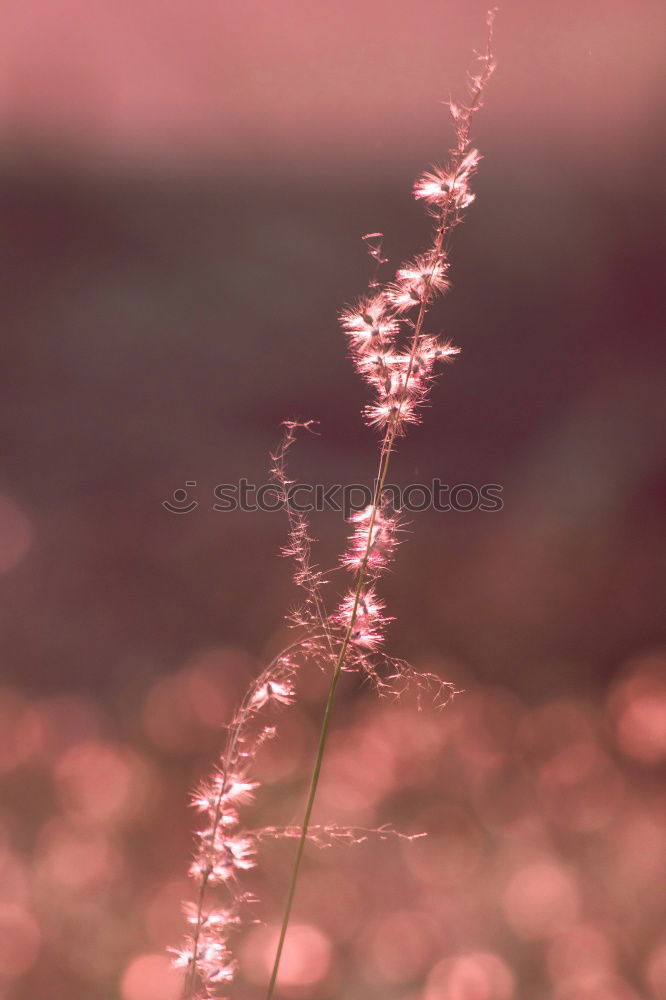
{"x":182,"y":188}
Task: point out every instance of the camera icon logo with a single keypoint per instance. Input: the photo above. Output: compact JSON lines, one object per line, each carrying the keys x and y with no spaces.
{"x":179,"y":503}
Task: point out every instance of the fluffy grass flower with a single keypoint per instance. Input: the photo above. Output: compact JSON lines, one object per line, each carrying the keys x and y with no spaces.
{"x":397,"y":359}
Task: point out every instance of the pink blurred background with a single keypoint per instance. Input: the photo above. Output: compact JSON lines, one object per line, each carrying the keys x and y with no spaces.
{"x":342,"y":85}
{"x":182,"y":189}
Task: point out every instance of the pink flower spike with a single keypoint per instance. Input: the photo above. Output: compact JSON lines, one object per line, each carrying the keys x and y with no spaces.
{"x":220,"y":861}
{"x":387,"y":330}
{"x":181,"y":957}
{"x":433,"y":350}
{"x":215,"y":920}
{"x":383,"y":413}
{"x":238,"y":790}
{"x":379,"y":544}
{"x":240,"y":852}
{"x":214,"y":961}
{"x":366,"y":632}
{"x":439,"y":188}
{"x":369,"y":322}
{"x":273,"y":691}
{"x":223,"y":790}
{"x":417,"y":282}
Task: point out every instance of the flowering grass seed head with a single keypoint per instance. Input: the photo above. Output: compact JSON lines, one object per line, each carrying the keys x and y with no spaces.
{"x":397,"y":358}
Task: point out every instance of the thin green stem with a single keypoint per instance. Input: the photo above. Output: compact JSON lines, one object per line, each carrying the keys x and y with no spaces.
{"x":323,"y":735}
{"x":385,"y":455}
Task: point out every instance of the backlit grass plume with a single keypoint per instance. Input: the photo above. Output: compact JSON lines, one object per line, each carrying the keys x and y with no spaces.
{"x":393,"y":353}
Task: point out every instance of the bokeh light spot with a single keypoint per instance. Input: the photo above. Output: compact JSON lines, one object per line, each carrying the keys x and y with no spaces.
{"x":72,"y":859}
{"x":451,"y":853}
{"x":400,"y":946}
{"x":182,"y":708}
{"x":540,"y":899}
{"x":20,"y":731}
{"x":20,"y":941}
{"x":655,"y":972}
{"x":99,"y":783}
{"x":305,"y":961}
{"x":579,"y":954}
{"x":479,"y":976}
{"x":151,"y":977}
{"x":637,"y":706}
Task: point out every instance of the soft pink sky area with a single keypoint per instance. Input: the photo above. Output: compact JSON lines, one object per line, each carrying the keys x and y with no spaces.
{"x":335,"y":81}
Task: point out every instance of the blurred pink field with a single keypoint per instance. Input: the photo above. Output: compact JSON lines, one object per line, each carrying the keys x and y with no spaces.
{"x":541,"y":874}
